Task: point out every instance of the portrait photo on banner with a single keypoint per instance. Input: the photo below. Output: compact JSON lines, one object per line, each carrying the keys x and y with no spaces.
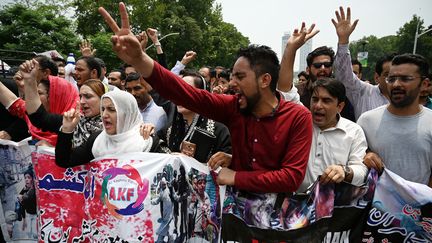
{"x":18,"y":214}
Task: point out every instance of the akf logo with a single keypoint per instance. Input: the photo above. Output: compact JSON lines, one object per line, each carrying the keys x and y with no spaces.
{"x":123,"y":191}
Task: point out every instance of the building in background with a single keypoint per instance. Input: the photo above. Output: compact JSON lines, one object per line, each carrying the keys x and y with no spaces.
{"x":285,"y":38}
{"x":304,"y":51}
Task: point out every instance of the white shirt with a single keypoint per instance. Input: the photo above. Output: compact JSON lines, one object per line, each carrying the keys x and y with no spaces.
{"x":344,"y":144}
{"x":363,"y":96}
{"x":291,"y":95}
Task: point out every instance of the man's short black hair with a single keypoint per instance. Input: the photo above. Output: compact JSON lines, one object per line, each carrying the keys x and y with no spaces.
{"x":132,"y":77}
{"x":335,"y":88}
{"x":101,"y":62}
{"x":357,"y":62}
{"x":47,"y":63}
{"x":92,"y":63}
{"x":262,"y":59}
{"x":122,"y":73}
{"x":418,"y":60}
{"x":379,"y":64}
{"x":320,"y":51}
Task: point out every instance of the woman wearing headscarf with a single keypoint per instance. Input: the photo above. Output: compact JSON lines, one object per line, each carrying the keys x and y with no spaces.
{"x":90,"y":94}
{"x":122,"y":122}
{"x":56,"y":95}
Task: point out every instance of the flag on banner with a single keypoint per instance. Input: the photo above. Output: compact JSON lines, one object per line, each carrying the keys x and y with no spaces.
{"x":139,"y":197}
{"x":18,"y":212}
{"x":401,"y":211}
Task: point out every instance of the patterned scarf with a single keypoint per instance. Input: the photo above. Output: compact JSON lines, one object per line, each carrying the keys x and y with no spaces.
{"x":85,"y":127}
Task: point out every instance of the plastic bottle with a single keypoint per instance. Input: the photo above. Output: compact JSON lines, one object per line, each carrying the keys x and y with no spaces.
{"x":70,"y":69}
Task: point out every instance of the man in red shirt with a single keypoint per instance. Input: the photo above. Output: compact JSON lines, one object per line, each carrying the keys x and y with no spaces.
{"x":271,"y":137}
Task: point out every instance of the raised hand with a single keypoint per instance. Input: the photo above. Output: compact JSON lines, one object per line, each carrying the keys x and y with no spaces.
{"x":343,"y":25}
{"x":29,"y":71}
{"x":188,"y":57}
{"x":219,"y":89}
{"x":71,"y":119}
{"x":300,"y":36}
{"x":143,"y":39}
{"x":147,"y":130}
{"x":125,"y":44}
{"x":296,"y":40}
{"x":153,"y":35}
{"x":86,"y":48}
{"x":18,"y":78}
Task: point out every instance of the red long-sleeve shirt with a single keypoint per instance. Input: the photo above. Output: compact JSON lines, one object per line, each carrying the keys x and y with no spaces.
{"x":269,"y":154}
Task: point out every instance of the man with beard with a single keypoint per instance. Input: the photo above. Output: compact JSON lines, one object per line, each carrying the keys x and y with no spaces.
{"x":320,"y":65}
{"x":271,"y":137}
{"x":87,"y":68}
{"x":400,"y":133}
{"x":150,"y":112}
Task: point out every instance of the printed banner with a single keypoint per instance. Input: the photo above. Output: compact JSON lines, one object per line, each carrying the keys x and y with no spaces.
{"x":401,"y":211}
{"x":140,"y":197}
{"x":18,"y":213}
{"x":147,"y":197}
{"x":330,"y":213}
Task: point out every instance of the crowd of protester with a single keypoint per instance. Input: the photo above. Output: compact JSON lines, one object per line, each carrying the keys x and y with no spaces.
{"x":266,"y":132}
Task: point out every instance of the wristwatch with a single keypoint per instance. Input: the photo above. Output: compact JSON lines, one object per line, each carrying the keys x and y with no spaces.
{"x":348,"y":173}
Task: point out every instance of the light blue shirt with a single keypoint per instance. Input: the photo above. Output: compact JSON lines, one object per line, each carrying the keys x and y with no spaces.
{"x":156,"y":115}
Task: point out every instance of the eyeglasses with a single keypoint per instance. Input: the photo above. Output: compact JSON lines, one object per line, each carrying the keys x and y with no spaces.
{"x":403,"y":79}
{"x":319,"y":64}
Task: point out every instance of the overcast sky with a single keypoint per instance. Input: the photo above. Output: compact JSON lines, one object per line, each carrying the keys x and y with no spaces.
{"x":264,"y":22}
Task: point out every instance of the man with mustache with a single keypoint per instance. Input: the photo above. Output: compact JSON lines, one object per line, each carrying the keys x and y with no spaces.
{"x":401,"y":133}
{"x":271,"y":137}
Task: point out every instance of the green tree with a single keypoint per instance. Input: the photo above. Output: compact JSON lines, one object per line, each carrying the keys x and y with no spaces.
{"x":35,"y":30}
{"x":402,"y":42}
{"x":406,"y":35}
{"x":376,"y":48}
{"x":198,"y":22}
{"x":102,"y":43}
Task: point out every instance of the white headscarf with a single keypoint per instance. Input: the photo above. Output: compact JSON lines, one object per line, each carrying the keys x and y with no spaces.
{"x":129,"y":119}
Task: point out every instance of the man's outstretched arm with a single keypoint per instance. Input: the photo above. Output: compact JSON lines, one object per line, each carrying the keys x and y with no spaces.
{"x":296,"y":40}
{"x":125,"y":44}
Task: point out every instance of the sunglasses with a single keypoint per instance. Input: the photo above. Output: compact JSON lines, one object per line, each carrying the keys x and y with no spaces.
{"x":319,"y":64}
